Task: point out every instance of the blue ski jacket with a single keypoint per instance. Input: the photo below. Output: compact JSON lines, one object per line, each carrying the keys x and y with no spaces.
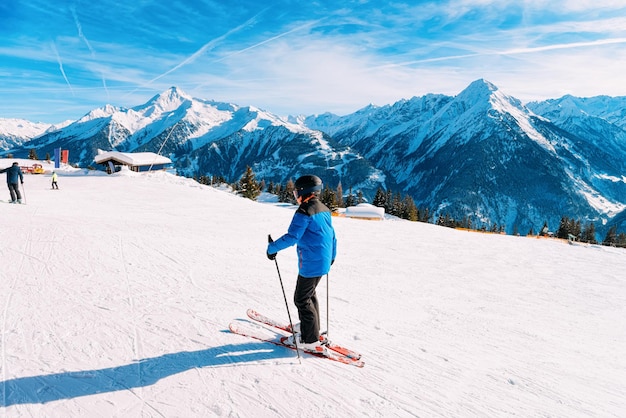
{"x":312,"y":230}
{"x":14,"y":174}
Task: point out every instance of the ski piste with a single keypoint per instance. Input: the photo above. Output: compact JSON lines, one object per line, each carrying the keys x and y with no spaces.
{"x":254,"y":315}
{"x":257,"y":332}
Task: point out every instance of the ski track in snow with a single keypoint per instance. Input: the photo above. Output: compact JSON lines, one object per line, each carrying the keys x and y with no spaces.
{"x":133,"y":315}
{"x":118,"y":292}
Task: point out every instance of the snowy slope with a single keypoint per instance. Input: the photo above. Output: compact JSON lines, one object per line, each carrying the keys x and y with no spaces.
{"x":116,"y":293}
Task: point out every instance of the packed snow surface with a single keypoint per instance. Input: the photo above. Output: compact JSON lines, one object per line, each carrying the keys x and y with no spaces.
{"x":116,"y":293}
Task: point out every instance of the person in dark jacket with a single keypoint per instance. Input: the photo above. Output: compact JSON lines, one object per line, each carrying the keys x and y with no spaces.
{"x":14,"y":174}
{"x":312,"y":230}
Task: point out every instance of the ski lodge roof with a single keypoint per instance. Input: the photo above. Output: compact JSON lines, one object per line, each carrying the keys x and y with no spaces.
{"x":134,"y":160}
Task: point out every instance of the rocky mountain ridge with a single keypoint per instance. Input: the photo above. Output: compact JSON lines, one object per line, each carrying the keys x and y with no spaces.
{"x":481,"y":154}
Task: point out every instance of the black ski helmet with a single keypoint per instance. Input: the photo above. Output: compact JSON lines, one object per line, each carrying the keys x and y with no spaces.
{"x":308,"y":184}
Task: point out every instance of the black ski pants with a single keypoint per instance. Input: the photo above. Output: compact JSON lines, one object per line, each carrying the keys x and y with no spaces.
{"x":305,"y":299}
{"x":14,"y":189}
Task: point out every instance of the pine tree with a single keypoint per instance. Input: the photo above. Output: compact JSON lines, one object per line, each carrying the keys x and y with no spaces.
{"x":576,"y":229}
{"x":287,"y":192}
{"x":563,"y":230}
{"x":204,"y":180}
{"x":359,"y":198}
{"x":445,"y":220}
{"x":32,"y":154}
{"x":350,"y":200}
{"x":589,"y":234}
{"x":329,"y":199}
{"x":217,"y":181}
{"x":380,"y":199}
{"x":397,"y":206}
{"x":278,"y":191}
{"x":389,"y":202}
{"x":409,"y":210}
{"x":611,"y":236}
{"x":339,"y":196}
{"x":248,"y":186}
{"x":425,"y":215}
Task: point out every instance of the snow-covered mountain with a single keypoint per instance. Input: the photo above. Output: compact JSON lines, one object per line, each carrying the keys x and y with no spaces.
{"x":16,"y":132}
{"x":610,"y":109}
{"x":210,"y":138}
{"x":598,"y":126}
{"x":480,"y":155}
{"x":484,"y":155}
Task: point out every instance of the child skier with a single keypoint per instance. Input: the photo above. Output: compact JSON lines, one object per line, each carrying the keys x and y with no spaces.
{"x":311,"y":229}
{"x":54,"y":180}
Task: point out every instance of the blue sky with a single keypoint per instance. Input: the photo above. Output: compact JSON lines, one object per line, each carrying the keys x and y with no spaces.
{"x":61,"y":59}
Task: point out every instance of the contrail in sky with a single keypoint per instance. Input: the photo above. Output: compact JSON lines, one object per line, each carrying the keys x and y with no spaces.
{"x":205,"y":47}
{"x":80,"y":31}
{"x":564,"y":46}
{"x":61,"y":67}
{"x":82,"y":36}
{"x":516,"y":51}
{"x":212,"y":43}
{"x":270,"y":39}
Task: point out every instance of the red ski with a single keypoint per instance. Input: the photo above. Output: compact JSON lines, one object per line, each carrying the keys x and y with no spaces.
{"x":259,"y":333}
{"x":254,"y":315}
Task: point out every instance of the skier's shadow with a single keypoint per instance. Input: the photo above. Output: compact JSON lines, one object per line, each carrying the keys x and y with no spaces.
{"x":145,"y":372}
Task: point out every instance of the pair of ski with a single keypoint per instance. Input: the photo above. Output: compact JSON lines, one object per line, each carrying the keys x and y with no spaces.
{"x":253,"y":330}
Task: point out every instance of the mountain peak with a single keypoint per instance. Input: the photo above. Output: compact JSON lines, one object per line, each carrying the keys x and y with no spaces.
{"x":99,"y":113}
{"x":479,"y":89}
{"x":175,"y":92}
{"x":484,"y":93}
{"x":168,"y":100}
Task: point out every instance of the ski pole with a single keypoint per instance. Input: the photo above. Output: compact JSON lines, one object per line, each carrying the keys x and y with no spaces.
{"x":23,"y":193}
{"x":327,"y":307}
{"x":295,"y":339}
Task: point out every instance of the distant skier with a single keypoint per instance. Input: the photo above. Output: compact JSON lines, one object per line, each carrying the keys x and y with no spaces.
{"x":14,"y":173}
{"x":311,"y":229}
{"x":54,"y":180}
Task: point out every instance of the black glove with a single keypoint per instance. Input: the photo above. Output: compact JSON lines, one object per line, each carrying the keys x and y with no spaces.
{"x":270,"y":256}
{"x":332,"y":261}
